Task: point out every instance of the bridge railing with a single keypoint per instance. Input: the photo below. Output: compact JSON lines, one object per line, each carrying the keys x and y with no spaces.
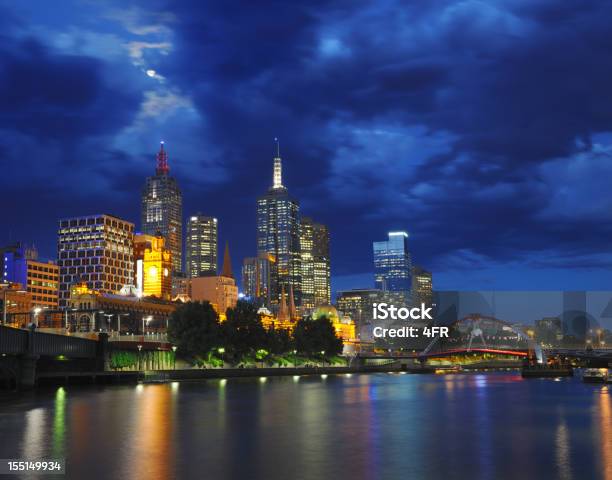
{"x":147,"y":337}
{"x":13,"y":340}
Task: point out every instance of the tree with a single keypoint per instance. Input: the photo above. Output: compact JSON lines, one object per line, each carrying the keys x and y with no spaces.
{"x":243,"y":331}
{"x":315,"y":336}
{"x":194,"y":328}
{"x":279,"y":341}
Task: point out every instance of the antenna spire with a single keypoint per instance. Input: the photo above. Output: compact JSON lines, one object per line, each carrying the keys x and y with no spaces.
{"x":277,"y":181}
{"x":162,"y":161}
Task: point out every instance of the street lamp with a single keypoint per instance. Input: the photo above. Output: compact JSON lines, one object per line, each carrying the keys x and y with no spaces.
{"x":119,"y":315}
{"x":323,"y":354}
{"x":66,"y":315}
{"x":139,"y":357}
{"x":108,"y":316}
{"x":221,"y":350}
{"x":174,"y":347}
{"x":145,"y":319}
{"x":294,"y":358}
{"x":37,"y":310}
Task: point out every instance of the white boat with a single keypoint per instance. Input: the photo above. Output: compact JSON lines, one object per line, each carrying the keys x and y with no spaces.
{"x":596,"y":375}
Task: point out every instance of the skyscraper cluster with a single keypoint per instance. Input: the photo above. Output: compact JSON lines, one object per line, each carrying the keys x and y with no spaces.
{"x":292,"y":252}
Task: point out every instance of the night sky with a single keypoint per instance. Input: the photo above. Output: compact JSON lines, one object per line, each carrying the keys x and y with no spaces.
{"x":483,"y":128}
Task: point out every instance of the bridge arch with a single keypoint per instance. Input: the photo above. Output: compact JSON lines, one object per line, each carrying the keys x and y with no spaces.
{"x":474,"y":323}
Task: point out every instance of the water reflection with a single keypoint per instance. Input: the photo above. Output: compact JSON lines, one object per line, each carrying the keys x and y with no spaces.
{"x":150,"y":446}
{"x":563,"y":451}
{"x":605,"y":437}
{"x":34,"y":445}
{"x":59,"y":423}
{"x":354,"y":427}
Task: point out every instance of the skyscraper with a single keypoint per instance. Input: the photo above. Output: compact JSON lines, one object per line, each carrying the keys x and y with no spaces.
{"x":316,"y":281}
{"x":278,"y":234}
{"x":201,"y":246}
{"x":162,"y":208}
{"x":392,"y":264}
{"x":97,"y":250}
{"x":421,"y":286}
{"x":256,"y":278}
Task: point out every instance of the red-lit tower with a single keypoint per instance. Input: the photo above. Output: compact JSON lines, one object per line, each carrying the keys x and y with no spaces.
{"x":162,"y":161}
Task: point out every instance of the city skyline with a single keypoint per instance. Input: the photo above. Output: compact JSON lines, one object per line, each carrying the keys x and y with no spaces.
{"x":493,"y":196}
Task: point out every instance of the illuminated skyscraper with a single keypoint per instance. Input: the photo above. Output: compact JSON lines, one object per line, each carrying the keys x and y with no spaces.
{"x":256,"y":278}
{"x":316,"y":281}
{"x":201,"y":249}
{"x":162,"y":208}
{"x":392,"y":264}
{"x":97,"y":250}
{"x":421,"y":286}
{"x":278,"y":234}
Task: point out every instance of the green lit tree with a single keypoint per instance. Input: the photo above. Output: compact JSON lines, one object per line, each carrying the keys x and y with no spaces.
{"x":194,"y":328}
{"x":312,"y":337}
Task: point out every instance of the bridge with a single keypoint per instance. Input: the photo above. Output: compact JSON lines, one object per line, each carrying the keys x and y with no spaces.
{"x":28,"y":354}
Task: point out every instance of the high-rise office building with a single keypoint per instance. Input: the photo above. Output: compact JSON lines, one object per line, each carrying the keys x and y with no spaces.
{"x":278,"y":234}
{"x":256,"y":278}
{"x":162,"y":208}
{"x":153,"y":266}
{"x":20,"y":264}
{"x":316,"y":280}
{"x":421,"y":286}
{"x":97,"y":250}
{"x":392,"y":264}
{"x":201,"y":246}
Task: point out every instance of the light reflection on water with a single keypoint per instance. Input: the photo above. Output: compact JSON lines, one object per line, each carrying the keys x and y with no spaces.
{"x":358,"y":427}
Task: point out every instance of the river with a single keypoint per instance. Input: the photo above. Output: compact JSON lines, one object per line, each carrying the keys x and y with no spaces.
{"x":360,"y":426}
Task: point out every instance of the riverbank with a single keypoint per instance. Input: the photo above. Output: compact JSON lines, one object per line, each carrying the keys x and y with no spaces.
{"x":153,"y":376}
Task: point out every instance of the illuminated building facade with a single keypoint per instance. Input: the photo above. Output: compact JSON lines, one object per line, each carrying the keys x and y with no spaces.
{"x":422,"y":289}
{"x":316,"y":274}
{"x":97,"y":250}
{"x":392,"y":264}
{"x":94,"y":310}
{"x":220,"y":290}
{"x":41,"y":279}
{"x":153,"y":266}
{"x":162,"y":209}
{"x":358,"y":304}
{"x":278,"y":234}
{"x":201,"y":246}
{"x":256,"y":278}
{"x":15,"y":304}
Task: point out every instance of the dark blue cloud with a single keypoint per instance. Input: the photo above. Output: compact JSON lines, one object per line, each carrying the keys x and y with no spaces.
{"x":473,"y":125}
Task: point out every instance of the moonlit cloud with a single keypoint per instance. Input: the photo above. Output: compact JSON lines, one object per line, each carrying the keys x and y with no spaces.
{"x":480,"y":127}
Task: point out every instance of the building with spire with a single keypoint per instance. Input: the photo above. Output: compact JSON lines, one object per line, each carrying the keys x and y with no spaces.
{"x":220,"y":290}
{"x":201,"y":246}
{"x":278,"y":235}
{"x":162,"y":208}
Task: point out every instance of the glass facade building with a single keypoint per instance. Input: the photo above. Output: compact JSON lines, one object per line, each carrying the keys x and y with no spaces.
{"x":256,"y":278}
{"x":278,"y":235}
{"x":316,"y":275}
{"x":162,"y":209}
{"x":392,"y":264}
{"x":97,"y":250}
{"x":201,"y":246}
